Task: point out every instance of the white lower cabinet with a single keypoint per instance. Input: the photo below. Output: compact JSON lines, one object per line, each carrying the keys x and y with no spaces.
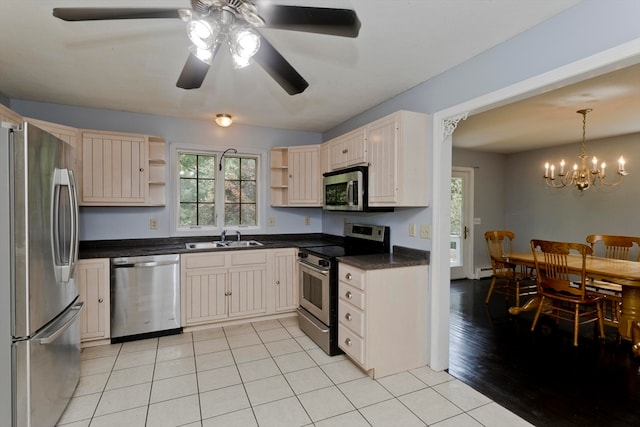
{"x":221,"y":286}
{"x":92,"y":277}
{"x":382,"y":318}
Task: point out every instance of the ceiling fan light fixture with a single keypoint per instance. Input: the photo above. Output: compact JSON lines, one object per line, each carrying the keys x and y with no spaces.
{"x":202,"y":33}
{"x":244,"y":43}
{"x":223,"y":120}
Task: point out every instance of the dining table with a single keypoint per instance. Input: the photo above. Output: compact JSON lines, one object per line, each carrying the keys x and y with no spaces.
{"x":622,"y":272}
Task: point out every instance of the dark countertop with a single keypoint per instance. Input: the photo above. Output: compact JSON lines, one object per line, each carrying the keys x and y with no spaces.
{"x":400,"y":257}
{"x":177,"y":245}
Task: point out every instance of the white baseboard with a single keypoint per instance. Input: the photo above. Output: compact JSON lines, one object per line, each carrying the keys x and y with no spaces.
{"x":483,"y":272}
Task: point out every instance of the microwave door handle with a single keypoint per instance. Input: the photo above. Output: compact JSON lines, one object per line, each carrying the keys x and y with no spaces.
{"x":350,"y":193}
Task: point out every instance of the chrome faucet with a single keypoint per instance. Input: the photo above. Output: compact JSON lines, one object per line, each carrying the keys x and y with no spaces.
{"x":238,"y":234}
{"x":223,"y":235}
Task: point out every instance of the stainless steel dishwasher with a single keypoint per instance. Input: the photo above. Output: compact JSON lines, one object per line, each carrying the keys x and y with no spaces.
{"x":145,"y":297}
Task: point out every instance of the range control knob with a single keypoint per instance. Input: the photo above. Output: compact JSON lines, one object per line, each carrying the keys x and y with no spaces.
{"x":302,"y":255}
{"x":324,"y":263}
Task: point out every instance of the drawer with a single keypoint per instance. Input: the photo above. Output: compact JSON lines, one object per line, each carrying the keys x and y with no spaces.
{"x":203,"y":260}
{"x":353,"y":295}
{"x":351,"y":275}
{"x":351,"y":317}
{"x":249,"y":257}
{"x":352,"y":344}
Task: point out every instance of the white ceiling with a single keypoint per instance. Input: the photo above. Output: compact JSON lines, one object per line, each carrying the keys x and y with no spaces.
{"x":133,"y":65}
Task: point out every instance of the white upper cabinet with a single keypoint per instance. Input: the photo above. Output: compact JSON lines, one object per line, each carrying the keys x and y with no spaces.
{"x":305,"y":178}
{"x":348,"y":150}
{"x":296,"y":178}
{"x":117,"y":169}
{"x":398,"y":162}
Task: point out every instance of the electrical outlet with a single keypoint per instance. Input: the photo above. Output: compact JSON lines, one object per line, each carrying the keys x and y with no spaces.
{"x":425,"y":231}
{"x":153,"y":223}
{"x":412,"y":230}
{"x":271,"y":222}
{"x":307,"y":220}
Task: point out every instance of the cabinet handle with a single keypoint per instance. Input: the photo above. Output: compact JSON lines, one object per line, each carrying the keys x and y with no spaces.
{"x":348,"y":342}
{"x":348,"y":276}
{"x":277,"y":282}
{"x":100,"y":300}
{"x":348,"y":316}
{"x":141,"y":169}
{"x":349,"y":295}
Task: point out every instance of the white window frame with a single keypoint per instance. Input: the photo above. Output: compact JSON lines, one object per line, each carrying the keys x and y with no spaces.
{"x":260,"y":155}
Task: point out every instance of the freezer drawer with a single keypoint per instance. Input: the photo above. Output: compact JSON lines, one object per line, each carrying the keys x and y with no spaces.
{"x":145,"y":295}
{"x":46,"y":371}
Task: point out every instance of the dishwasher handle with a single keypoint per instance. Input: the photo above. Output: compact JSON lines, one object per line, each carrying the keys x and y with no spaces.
{"x":143,"y":264}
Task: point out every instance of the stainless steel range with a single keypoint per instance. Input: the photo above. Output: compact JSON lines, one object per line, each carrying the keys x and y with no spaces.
{"x":318,"y":281}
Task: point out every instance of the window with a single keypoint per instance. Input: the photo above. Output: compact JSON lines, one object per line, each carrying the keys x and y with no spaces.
{"x":207,"y":193}
{"x":240,"y":191}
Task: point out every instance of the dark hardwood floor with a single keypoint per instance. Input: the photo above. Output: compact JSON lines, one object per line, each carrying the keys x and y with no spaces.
{"x":539,"y":375}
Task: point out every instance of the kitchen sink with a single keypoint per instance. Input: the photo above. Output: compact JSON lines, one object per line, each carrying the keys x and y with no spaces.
{"x":226,"y":244}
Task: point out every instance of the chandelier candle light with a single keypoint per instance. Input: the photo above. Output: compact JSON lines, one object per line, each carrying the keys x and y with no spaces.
{"x":581,"y":176}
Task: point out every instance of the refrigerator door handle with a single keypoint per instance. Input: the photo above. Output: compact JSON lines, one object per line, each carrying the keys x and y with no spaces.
{"x":51,"y":336}
{"x":64,"y":270}
{"x":73,"y":201}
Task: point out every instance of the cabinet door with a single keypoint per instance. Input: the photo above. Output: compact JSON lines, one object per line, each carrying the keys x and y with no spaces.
{"x":286,"y":289}
{"x":114,"y":169}
{"x":305,"y":185}
{"x":92,"y":277}
{"x":204,"y":295}
{"x":382,"y":149}
{"x":348,"y":150}
{"x":247,"y":291}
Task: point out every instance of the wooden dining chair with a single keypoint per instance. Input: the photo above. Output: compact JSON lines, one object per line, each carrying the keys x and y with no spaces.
{"x":574,"y":304}
{"x":616,"y":247}
{"x":507,"y":279}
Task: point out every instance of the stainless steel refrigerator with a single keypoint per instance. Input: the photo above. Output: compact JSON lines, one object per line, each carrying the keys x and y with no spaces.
{"x":39,"y":307}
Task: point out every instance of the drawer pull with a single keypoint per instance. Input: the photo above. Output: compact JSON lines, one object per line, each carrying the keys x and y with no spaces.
{"x":348,"y":341}
{"x":348,"y":316}
{"x":348,"y":276}
{"x":349,"y":295}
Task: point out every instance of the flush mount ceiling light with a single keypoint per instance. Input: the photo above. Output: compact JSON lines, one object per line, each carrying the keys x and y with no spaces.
{"x":223,"y":120}
{"x":581,"y":176}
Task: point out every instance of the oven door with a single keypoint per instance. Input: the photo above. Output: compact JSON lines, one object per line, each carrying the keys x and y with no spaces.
{"x":314,"y":291}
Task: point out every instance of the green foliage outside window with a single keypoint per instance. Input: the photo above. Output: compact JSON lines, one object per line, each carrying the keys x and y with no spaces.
{"x":197,"y":181}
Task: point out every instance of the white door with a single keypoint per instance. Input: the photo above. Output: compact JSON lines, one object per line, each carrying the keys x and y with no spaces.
{"x":461,"y":245}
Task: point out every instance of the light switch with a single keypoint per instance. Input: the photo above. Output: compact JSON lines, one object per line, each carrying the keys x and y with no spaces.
{"x":425,"y":231}
{"x":412,"y":230}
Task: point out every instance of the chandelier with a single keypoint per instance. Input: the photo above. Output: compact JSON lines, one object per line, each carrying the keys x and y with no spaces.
{"x":582,"y":177}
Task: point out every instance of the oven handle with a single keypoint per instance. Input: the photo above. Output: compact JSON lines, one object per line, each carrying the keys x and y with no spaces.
{"x":313,"y":268}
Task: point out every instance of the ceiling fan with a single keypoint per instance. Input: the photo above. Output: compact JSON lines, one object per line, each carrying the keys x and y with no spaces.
{"x":212,"y":23}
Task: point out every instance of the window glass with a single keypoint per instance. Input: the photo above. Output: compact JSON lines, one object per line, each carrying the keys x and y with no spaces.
{"x":197,"y":190}
{"x":240,"y":185}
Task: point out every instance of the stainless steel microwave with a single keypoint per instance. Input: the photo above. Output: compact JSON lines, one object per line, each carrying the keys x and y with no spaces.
{"x":345,"y":190}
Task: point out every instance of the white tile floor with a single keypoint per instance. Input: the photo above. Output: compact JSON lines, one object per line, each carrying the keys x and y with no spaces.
{"x":262,"y":374}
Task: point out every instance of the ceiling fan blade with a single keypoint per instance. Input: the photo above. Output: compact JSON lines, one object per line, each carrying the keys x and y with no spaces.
{"x":100,"y":14}
{"x":193,"y":73}
{"x":279,"y":69}
{"x":334,"y":22}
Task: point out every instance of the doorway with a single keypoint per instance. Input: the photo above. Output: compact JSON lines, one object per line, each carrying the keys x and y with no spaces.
{"x":461,"y":234}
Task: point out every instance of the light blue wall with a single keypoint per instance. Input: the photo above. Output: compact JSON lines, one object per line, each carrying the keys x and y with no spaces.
{"x":99,"y":223}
